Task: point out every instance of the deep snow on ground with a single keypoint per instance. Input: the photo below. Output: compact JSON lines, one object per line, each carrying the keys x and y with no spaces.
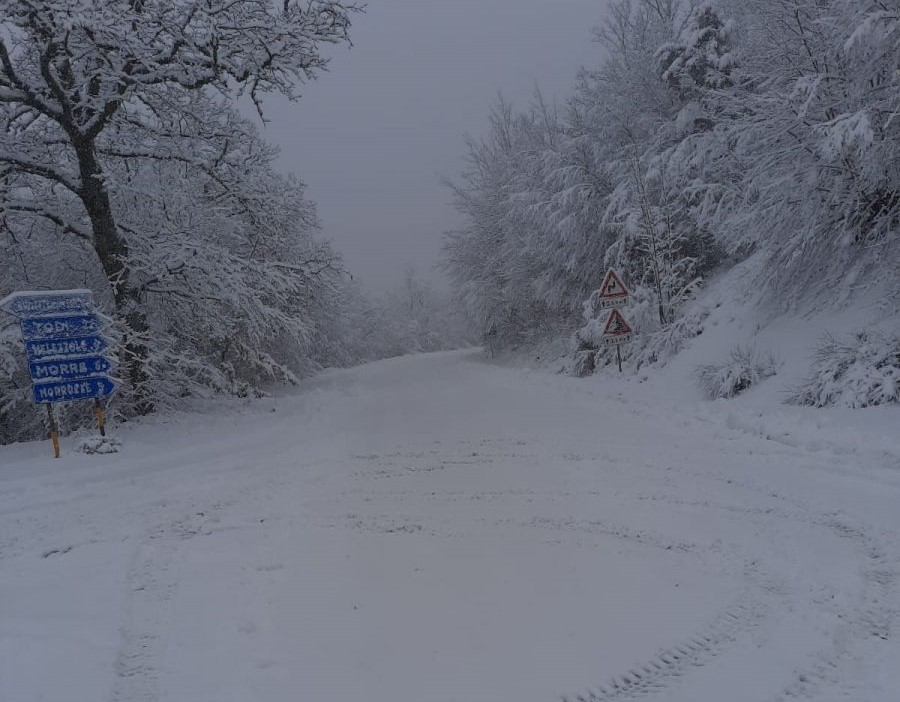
{"x":440,"y":529}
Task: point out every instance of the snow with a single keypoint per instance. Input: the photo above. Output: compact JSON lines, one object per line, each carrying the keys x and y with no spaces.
{"x":438,"y":528}
{"x":19,"y":294}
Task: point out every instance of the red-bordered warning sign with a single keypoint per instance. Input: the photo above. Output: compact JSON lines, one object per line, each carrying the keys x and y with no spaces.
{"x":613,"y":292}
{"x":617,"y":330}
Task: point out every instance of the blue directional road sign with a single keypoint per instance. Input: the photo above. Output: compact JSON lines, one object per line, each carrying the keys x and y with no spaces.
{"x":39,"y":350}
{"x":64,"y":344}
{"x":54,"y":328}
{"x":71,"y":390}
{"x":70,"y":368}
{"x":52,"y":302}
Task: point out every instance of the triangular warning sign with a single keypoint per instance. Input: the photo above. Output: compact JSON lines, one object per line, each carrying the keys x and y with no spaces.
{"x":616,"y":326}
{"x":612,"y":287}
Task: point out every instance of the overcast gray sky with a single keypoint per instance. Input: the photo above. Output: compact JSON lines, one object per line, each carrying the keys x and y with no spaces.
{"x":373,"y":136}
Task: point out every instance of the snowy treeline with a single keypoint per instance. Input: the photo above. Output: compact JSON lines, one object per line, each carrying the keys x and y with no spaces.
{"x":708,"y":133}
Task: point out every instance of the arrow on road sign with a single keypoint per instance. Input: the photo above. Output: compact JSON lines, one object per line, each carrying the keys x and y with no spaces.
{"x":69,"y":368}
{"x":71,"y":390}
{"x":612,"y":292}
{"x":46,"y":349}
{"x":60,"y":327}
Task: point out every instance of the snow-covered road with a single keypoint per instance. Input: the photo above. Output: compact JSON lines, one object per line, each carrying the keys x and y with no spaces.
{"x":439,"y":529}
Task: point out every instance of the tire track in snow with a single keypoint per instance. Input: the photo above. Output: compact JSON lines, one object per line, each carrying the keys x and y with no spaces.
{"x":152,"y":582}
{"x":873,"y":618}
{"x":875,"y":614}
{"x":644,"y":537}
{"x":878,"y":608}
{"x":672,"y":663}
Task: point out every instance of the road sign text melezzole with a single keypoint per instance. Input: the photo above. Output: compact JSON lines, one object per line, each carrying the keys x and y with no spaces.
{"x":70,"y":390}
{"x":54,"y":302}
{"x":69,"y":368}
{"x":39,"y":350}
{"x":54,"y":328}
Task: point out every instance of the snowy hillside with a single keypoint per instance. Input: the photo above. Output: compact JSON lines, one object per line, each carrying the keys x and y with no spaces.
{"x":730,"y":314}
{"x":437,"y":528}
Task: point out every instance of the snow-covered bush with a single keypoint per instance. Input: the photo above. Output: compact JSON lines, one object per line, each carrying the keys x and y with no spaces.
{"x":659,"y":347}
{"x":860,"y":372}
{"x":744,"y":367}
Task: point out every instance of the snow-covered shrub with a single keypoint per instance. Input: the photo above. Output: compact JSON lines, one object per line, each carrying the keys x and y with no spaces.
{"x":660,"y":347}
{"x":860,"y":372}
{"x":744,"y":367}
{"x":583,"y":364}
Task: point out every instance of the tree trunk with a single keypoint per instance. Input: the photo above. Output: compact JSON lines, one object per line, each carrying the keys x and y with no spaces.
{"x":112,"y":250}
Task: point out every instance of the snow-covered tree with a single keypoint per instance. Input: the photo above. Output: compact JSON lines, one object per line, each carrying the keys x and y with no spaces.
{"x":702,"y":58}
{"x":493,"y":260}
{"x":816,"y":138}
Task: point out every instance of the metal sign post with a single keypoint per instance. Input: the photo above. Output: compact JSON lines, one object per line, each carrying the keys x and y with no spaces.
{"x":54,"y":431}
{"x":64,"y":345}
{"x":101,"y":418}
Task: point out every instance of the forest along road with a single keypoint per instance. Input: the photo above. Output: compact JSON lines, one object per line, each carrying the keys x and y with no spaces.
{"x":439,"y":529}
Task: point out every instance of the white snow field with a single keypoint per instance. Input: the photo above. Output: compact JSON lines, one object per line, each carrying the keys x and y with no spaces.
{"x":439,"y":529}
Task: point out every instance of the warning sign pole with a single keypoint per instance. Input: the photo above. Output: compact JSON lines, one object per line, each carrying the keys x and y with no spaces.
{"x":619,"y":356}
